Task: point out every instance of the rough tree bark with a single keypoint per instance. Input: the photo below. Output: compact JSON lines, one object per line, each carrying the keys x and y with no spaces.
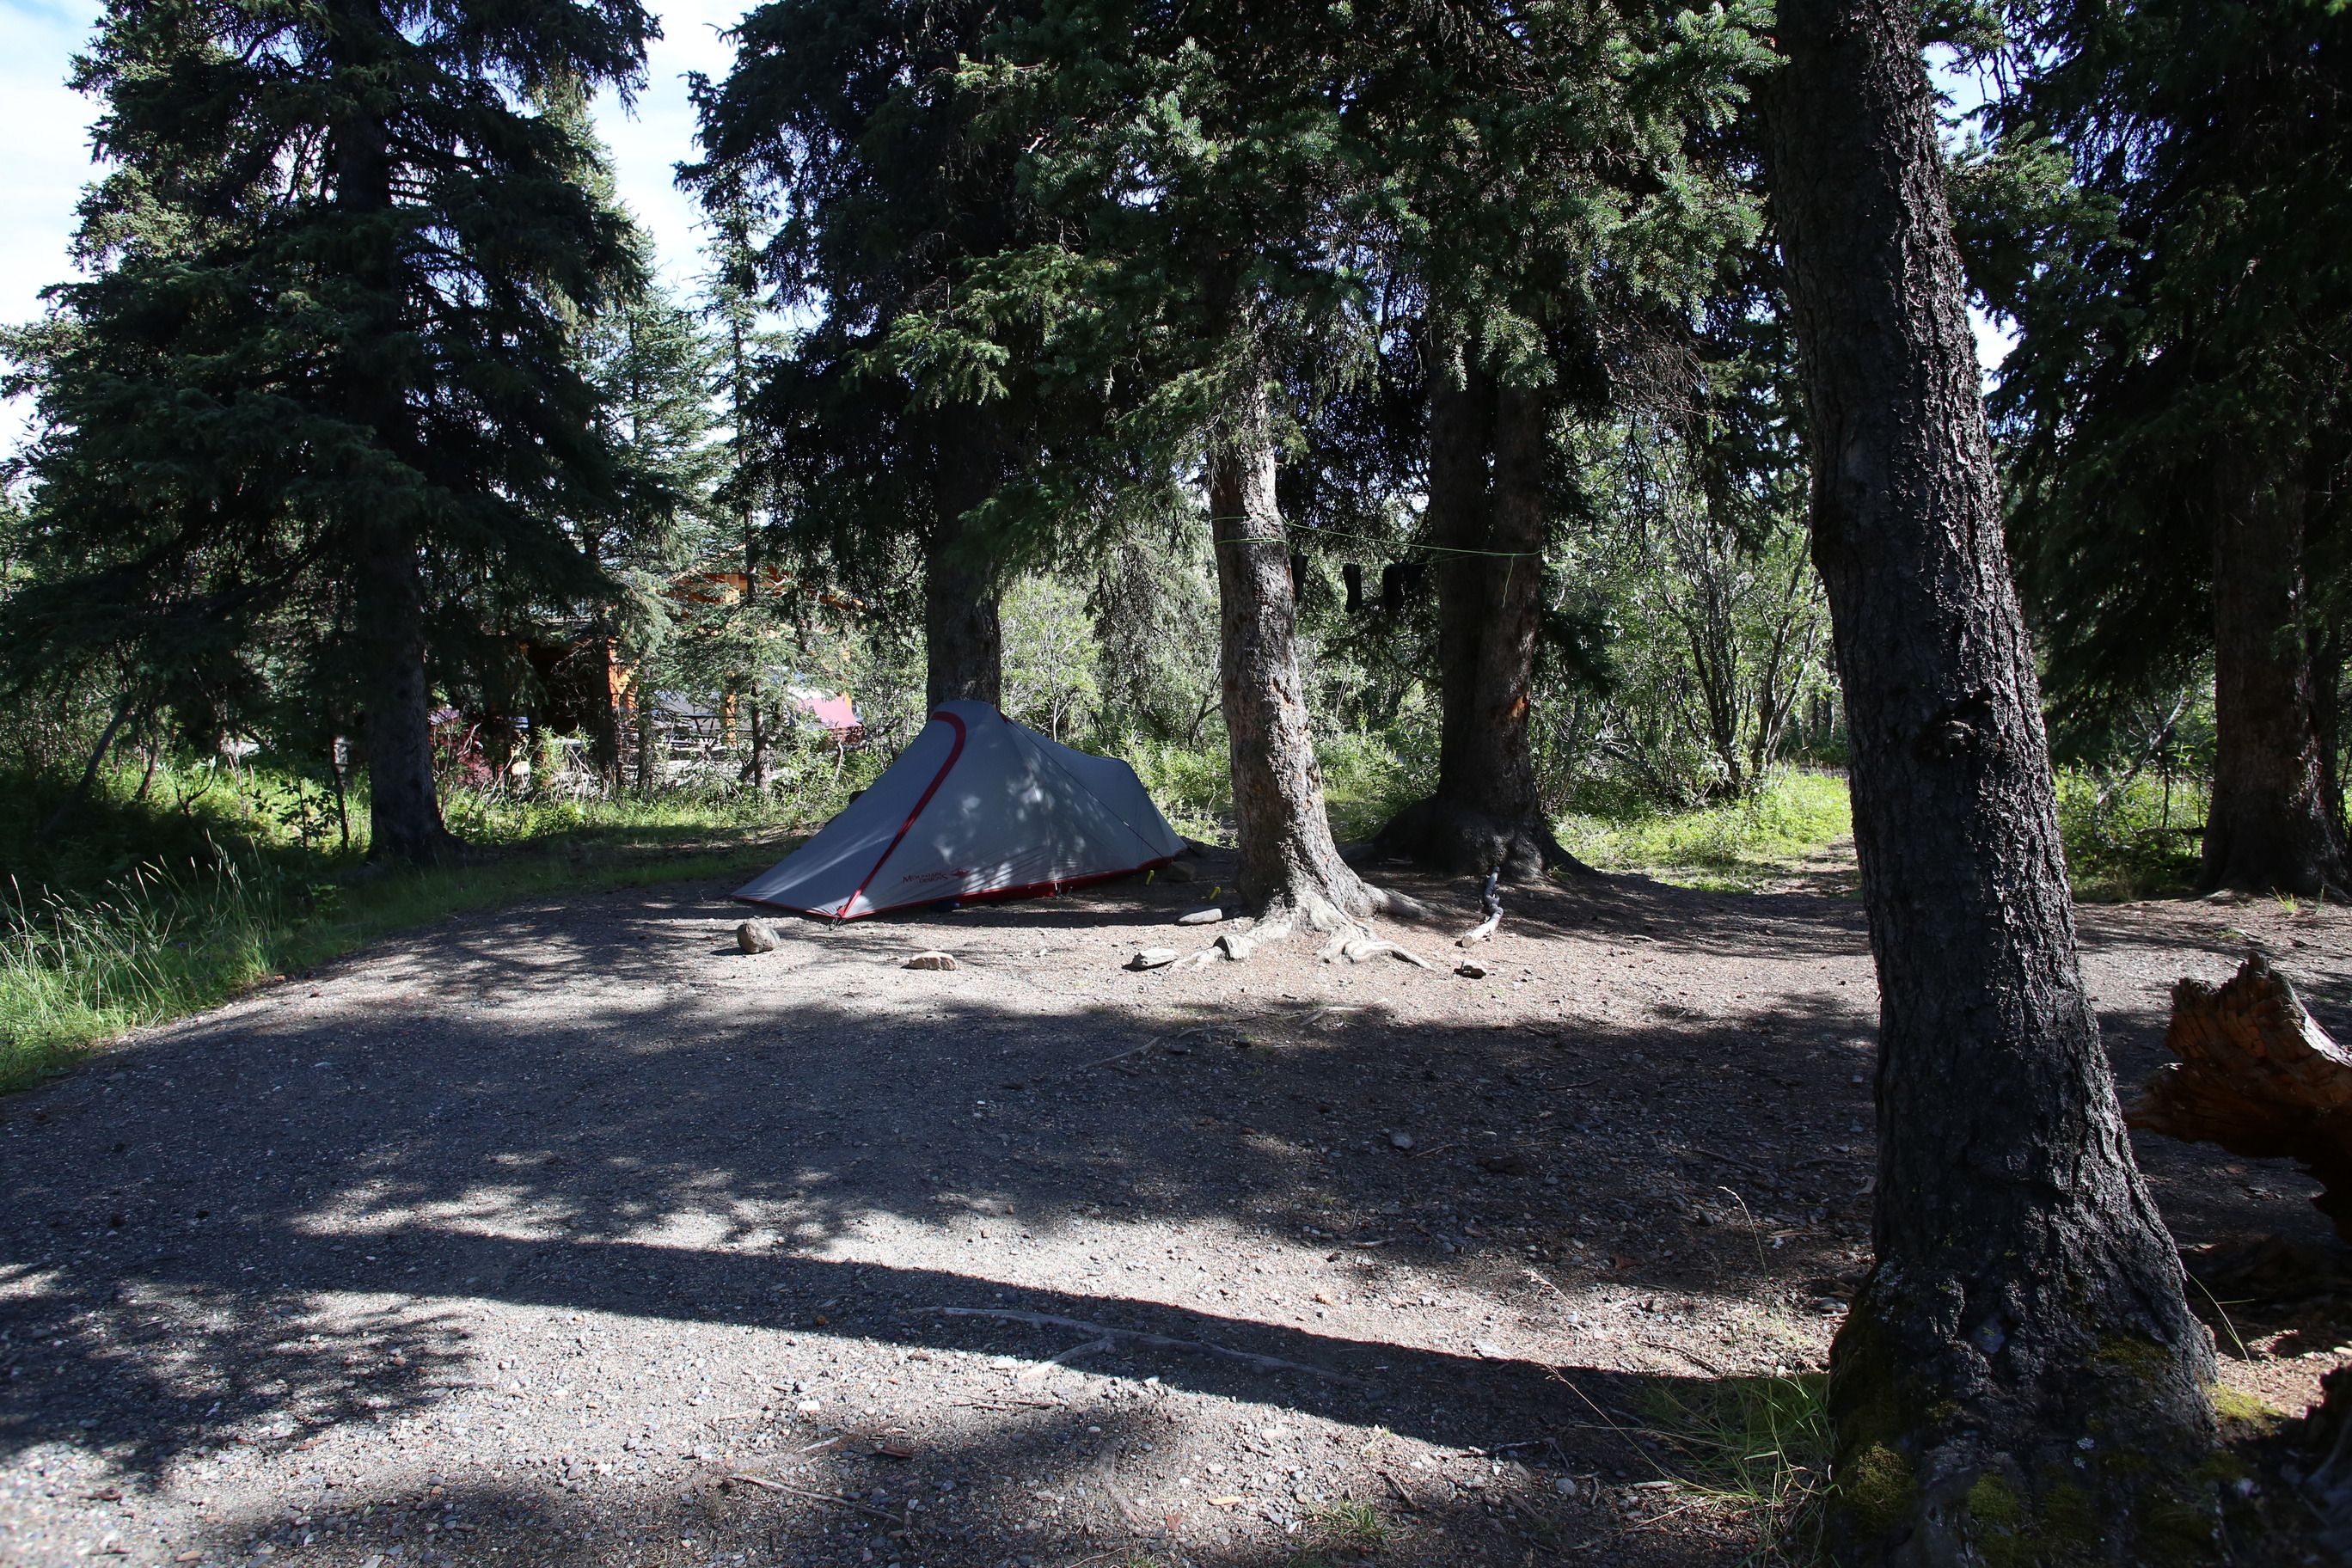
{"x":2020,"y":1379}
{"x":963,"y":641}
{"x":2269,"y":828}
{"x":755,"y":772}
{"x":1290,"y":868}
{"x":403,"y":806}
{"x":1485,"y":815}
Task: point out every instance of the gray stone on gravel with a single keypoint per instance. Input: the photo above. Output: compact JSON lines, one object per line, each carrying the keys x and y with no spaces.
{"x":933,"y":961}
{"x":755,"y":936}
{"x":1201,"y":917}
{"x":1152,"y":958}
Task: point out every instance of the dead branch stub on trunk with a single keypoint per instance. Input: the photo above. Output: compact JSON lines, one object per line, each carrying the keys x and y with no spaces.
{"x":2258,"y":1076}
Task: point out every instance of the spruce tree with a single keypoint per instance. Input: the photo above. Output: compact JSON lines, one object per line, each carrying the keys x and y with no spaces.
{"x":848,"y":116}
{"x":2020,"y":1379}
{"x":2177,"y":404}
{"x":325,"y":367}
{"x":1566,"y":193}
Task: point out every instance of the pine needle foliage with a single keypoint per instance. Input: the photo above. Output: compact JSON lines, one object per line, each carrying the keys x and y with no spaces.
{"x":320,"y":381}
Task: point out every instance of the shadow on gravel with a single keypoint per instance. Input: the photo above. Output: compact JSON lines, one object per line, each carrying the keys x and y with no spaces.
{"x":169,"y":1257}
{"x":995,"y":1497}
{"x":267,"y":1227}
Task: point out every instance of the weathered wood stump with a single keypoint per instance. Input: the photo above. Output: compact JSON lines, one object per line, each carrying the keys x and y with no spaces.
{"x":2258,"y":1076}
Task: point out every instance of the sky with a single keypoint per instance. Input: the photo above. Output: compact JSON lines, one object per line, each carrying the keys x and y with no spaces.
{"x":48,"y":145}
{"x":48,"y":150}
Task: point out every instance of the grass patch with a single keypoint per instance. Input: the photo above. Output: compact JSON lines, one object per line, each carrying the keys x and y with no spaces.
{"x":2125,"y":837}
{"x":1758,"y":1448}
{"x":1351,"y":1526}
{"x":1733,"y":846}
{"x":95,"y":940}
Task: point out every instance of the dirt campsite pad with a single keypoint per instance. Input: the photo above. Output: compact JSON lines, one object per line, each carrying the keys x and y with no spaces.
{"x":575,"y":1234}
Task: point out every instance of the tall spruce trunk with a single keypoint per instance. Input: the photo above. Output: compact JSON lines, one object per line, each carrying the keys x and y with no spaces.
{"x":2271,"y":825}
{"x":404,"y":805}
{"x":603,"y":709}
{"x":1489,"y":523}
{"x":1290,"y":868}
{"x":388,"y":591}
{"x":756,"y":770}
{"x":963,"y":641}
{"x":2020,"y":1378}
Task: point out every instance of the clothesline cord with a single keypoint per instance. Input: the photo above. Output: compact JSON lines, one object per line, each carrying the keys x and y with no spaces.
{"x":1368,"y":539}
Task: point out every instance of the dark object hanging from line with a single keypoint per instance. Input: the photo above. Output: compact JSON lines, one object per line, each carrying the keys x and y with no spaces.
{"x":1397,"y":579}
{"x":1353,"y":575}
{"x":1298,"y":576}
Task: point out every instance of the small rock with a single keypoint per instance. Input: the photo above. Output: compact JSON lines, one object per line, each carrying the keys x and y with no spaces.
{"x":1490,"y":1350}
{"x":752,"y":936}
{"x":1400,"y":1140}
{"x":1203,"y":917}
{"x":1152,"y":958}
{"x":1237,"y":948}
{"x":1176,"y":871}
{"x":1469,"y":971}
{"x":933,"y":961}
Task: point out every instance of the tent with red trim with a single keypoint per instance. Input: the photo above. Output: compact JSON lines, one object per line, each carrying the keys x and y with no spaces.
{"x":978,"y":808}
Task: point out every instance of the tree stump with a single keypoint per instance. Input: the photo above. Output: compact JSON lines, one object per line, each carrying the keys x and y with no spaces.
{"x":2258,"y":1076}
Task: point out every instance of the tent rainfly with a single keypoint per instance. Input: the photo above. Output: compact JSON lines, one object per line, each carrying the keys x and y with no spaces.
{"x":978,"y":808}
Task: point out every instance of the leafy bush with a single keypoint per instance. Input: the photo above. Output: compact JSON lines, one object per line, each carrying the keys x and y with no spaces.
{"x":2131,"y":837}
{"x":1732,"y":846}
{"x":1193,"y":788}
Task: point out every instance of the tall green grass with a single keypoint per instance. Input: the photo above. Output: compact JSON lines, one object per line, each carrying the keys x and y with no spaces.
{"x":1367,"y":779}
{"x":2130,"y":838}
{"x":1759,"y":1448}
{"x":235,"y":886}
{"x":1732,"y":846}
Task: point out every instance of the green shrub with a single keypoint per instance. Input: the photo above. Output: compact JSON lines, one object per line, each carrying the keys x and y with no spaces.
{"x":1732,"y":846}
{"x":2128,"y":838}
{"x":1193,"y":788}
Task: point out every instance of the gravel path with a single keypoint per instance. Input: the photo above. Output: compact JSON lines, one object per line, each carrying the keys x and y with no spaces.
{"x":570,"y":1235}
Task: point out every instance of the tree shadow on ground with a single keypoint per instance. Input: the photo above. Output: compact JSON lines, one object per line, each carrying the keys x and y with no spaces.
{"x":263,"y":1230}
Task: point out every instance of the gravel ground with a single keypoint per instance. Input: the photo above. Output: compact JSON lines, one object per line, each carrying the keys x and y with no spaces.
{"x":571,"y":1234}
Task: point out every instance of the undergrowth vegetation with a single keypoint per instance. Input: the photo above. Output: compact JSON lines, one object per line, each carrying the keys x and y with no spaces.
{"x":1759,"y":1449}
{"x":1735,"y":846}
{"x":152,"y":905}
{"x":2135,"y":837}
{"x":169,"y":891}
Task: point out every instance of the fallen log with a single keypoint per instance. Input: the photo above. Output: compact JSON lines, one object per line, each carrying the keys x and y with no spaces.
{"x":2259,"y":1076}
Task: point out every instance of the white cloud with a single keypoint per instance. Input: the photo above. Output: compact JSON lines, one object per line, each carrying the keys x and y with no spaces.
{"x":651,"y":142}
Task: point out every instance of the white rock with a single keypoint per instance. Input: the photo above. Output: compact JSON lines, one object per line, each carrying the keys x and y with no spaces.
{"x":1204,"y":916}
{"x":1152,"y":958}
{"x":752,"y":936}
{"x":933,"y":961}
{"x":1400,"y":1140}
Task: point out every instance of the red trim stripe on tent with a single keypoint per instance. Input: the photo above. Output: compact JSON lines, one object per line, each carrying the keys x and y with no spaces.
{"x":977,"y":807}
